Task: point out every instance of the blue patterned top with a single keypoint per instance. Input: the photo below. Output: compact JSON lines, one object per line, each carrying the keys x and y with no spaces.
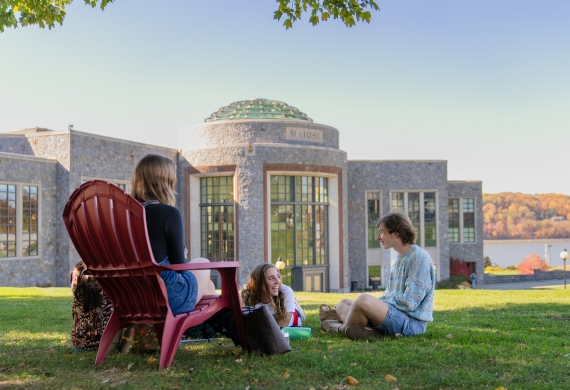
{"x":412,"y":283}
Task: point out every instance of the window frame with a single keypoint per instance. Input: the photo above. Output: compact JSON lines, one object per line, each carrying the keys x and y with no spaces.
{"x":298,"y":205}
{"x":367,"y":225}
{"x":422,"y":229}
{"x":460,"y":200}
{"x":202,"y":206}
{"x":20,"y":220}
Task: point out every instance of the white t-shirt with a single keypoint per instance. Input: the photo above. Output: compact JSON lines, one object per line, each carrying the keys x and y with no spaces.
{"x":290,"y":304}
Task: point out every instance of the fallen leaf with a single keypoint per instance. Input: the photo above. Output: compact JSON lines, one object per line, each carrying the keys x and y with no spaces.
{"x":286,"y":375}
{"x":63,"y":341}
{"x":373,"y":371}
{"x":491,"y":361}
{"x":351,"y":380}
{"x":239,"y":360}
{"x":521,"y":346}
{"x":105,"y":381}
{"x":448,"y":348}
{"x":21,"y":365}
{"x":330,"y":347}
{"x":449,"y":336}
{"x":353,"y":364}
{"x":390,"y":378}
{"x":311,"y":388}
{"x":254,"y":380}
{"x":533,"y":329}
{"x":129,"y":366}
{"x":500,"y":388}
{"x":235,"y":352}
{"x":191,"y":369}
{"x":150,"y":360}
{"x":324,"y":357}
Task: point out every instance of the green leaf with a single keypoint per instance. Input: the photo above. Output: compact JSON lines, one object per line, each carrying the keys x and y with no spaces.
{"x":288,"y":24}
{"x":314,"y":20}
{"x":277,"y":15}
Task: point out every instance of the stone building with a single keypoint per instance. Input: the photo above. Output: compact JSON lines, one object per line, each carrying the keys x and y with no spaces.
{"x":257,"y":181}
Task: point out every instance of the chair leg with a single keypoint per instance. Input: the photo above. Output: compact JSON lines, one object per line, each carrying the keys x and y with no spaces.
{"x":170,"y":341}
{"x":108,"y":336}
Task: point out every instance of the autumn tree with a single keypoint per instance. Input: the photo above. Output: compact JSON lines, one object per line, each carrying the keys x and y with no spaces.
{"x":46,"y":13}
{"x":530,"y":263}
{"x":510,"y":215}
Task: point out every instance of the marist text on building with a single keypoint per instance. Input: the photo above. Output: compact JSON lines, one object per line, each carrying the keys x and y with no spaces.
{"x":303,"y":134}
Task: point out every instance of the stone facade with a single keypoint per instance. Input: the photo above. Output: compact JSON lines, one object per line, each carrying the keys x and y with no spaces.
{"x":250,"y":151}
{"x":470,"y":252}
{"x":34,"y":270}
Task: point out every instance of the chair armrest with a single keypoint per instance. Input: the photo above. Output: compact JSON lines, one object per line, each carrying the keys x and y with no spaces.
{"x":199,"y":266}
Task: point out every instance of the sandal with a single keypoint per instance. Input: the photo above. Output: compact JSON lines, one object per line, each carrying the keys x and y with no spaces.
{"x":328,"y":313}
{"x":331,"y":326}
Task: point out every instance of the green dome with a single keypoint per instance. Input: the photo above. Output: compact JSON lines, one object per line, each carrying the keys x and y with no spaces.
{"x":258,"y":109}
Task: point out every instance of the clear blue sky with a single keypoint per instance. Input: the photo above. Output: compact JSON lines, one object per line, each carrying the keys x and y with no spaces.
{"x":482,"y":84}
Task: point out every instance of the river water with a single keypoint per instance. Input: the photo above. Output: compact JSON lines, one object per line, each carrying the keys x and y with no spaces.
{"x":512,"y":252}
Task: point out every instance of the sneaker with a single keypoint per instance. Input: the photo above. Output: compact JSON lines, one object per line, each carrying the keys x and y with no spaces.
{"x":331,"y":326}
{"x":362,"y":332}
{"x":328,"y":313}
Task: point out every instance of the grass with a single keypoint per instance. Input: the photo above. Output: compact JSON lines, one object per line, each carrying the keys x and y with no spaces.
{"x":480,"y":339}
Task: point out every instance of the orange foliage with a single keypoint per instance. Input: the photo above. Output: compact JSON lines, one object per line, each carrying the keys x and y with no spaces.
{"x":512,"y":215}
{"x":530,"y":263}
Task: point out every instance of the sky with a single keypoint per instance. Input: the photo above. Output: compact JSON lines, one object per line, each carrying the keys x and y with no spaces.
{"x":482,"y":84}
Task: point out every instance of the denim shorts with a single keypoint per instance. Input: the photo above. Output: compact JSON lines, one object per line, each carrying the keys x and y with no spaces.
{"x":182,"y":289}
{"x":398,"y":322}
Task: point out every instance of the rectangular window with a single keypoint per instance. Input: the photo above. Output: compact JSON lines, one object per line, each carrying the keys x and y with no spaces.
{"x":299,"y":223}
{"x":217,"y":218}
{"x":373,"y":211}
{"x":461,"y":220}
{"x":374,"y":274}
{"x":19,"y":222}
{"x":453,"y":212}
{"x":429,"y":220}
{"x":122,"y":184}
{"x":414,"y":213}
{"x":29,"y":221}
{"x":421,"y":208}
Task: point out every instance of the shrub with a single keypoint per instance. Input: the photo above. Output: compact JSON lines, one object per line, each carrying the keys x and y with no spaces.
{"x":530,"y":263}
{"x":452,"y":283}
{"x":458,"y":267}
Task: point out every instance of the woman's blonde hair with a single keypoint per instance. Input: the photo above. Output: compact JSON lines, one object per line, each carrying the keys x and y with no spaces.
{"x":154,"y":178}
{"x":252,"y":293}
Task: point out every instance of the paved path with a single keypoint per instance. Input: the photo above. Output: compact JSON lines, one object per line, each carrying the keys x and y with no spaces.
{"x":525,"y":285}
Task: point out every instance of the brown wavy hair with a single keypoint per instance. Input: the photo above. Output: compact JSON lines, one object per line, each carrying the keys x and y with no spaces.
{"x":87,"y":291}
{"x":253,"y":291}
{"x":399,"y":223}
{"x":154,"y":178}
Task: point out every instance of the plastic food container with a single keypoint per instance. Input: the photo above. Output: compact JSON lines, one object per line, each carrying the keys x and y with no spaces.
{"x":298,"y":332}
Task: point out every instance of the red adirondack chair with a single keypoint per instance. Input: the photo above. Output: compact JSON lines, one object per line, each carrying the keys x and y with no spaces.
{"x":108,"y":228}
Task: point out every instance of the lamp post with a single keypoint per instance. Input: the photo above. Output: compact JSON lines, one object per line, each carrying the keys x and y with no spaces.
{"x":279,"y":264}
{"x":564,"y":256}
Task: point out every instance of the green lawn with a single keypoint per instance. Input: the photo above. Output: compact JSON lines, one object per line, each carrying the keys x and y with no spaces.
{"x":481,"y":339}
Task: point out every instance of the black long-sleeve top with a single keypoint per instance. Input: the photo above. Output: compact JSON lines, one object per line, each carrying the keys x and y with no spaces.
{"x":165,"y":232}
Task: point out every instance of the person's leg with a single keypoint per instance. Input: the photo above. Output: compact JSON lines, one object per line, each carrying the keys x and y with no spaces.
{"x":364,"y":310}
{"x":343,"y":308}
{"x":205,"y":285}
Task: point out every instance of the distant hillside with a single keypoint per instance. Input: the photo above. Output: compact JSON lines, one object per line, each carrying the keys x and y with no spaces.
{"x":512,"y":215}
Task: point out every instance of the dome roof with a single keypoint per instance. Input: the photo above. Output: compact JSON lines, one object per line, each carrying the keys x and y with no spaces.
{"x":258,"y":109}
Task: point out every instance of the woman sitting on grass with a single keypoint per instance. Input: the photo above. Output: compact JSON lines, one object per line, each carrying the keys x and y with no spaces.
{"x":91,"y":309}
{"x":265,"y":288}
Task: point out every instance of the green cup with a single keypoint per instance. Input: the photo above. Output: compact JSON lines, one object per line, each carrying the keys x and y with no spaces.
{"x":296,"y":332}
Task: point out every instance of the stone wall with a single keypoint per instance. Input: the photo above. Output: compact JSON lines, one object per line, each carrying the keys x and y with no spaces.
{"x":386,"y":176}
{"x":538,"y":276}
{"x":470,"y":252}
{"x":41,"y":269}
